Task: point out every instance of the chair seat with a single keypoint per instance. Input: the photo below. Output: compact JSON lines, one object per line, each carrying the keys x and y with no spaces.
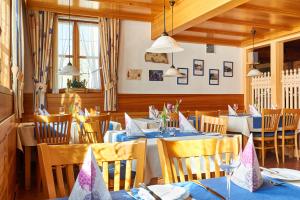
{"x":111,"y":171}
{"x":266,"y":134}
{"x":287,"y":133}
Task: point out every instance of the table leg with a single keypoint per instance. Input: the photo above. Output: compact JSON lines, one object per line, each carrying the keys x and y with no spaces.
{"x":27,"y":167}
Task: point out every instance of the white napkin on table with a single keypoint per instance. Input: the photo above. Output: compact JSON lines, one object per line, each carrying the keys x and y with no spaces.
{"x":254,"y":112}
{"x":86,"y":113}
{"x":153,"y":113}
{"x":46,"y":112}
{"x":231,"y":112}
{"x":41,"y":112}
{"x":90,"y":183}
{"x":165,"y":192}
{"x":132,"y":129}
{"x":185,"y":125}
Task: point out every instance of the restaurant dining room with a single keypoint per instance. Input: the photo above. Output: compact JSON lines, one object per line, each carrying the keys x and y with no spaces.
{"x":149,"y":99}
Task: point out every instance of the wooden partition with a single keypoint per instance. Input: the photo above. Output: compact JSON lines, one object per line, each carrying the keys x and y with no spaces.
{"x":137,"y":104}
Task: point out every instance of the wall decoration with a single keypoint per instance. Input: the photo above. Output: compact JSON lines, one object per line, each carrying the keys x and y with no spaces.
{"x":156,"y":58}
{"x":227,"y":69}
{"x":183,"y":80}
{"x":134,"y":74}
{"x":156,"y":75}
{"x":213,"y":77}
{"x":210,"y":48}
{"x":198,"y":67}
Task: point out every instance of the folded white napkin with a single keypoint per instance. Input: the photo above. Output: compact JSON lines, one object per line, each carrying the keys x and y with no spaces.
{"x":41,"y":112}
{"x":90,"y":183}
{"x":165,"y":192}
{"x":231,"y":111}
{"x":46,"y":112}
{"x":185,"y":125}
{"x":86,"y":113}
{"x":132,"y":129}
{"x":153,"y":113}
{"x":254,"y":111}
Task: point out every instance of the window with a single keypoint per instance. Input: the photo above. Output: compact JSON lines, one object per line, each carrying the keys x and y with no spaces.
{"x":84,"y":51}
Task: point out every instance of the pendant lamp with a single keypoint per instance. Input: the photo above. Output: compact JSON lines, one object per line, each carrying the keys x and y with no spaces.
{"x":172,"y":71}
{"x":69,"y":69}
{"x":165,"y":43}
{"x":253,"y":72}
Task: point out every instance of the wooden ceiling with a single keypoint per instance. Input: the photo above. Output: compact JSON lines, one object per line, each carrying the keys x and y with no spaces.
{"x":225,"y":22}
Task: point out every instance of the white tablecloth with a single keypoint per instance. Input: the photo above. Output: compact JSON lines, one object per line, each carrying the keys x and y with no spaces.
{"x":25,"y":134}
{"x":243,"y":124}
{"x":153,"y":167}
{"x":144,"y":123}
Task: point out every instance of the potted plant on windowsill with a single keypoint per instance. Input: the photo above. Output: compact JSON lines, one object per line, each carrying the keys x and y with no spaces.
{"x":76,"y":86}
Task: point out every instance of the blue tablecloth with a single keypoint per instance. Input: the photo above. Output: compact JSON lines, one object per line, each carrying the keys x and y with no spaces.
{"x":122,"y":137}
{"x":266,"y":192}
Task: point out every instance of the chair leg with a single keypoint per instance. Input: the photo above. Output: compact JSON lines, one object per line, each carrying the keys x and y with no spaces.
{"x":276,"y":150}
{"x":263,"y":153}
{"x":282,"y":149}
{"x":296,"y":146}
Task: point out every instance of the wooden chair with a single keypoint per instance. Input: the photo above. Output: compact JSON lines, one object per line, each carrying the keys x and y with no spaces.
{"x":93,"y":128}
{"x":173,"y":120}
{"x":176,"y":157}
{"x":53,"y":129}
{"x":198,"y":115}
{"x":213,"y":124}
{"x":290,"y":120}
{"x":267,"y":138}
{"x":52,"y":158}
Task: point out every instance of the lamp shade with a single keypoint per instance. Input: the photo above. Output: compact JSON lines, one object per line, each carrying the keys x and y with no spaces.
{"x":173,"y":72}
{"x":164,"y":44}
{"x":254,"y":72}
{"x":69,"y":69}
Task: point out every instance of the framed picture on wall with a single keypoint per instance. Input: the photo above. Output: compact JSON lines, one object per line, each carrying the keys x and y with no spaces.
{"x":227,"y":69}
{"x":156,"y":75}
{"x":198,"y":67}
{"x":213,"y":77}
{"x":183,"y":80}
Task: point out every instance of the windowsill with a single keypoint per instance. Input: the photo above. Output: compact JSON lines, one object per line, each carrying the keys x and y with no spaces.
{"x":63,"y":91}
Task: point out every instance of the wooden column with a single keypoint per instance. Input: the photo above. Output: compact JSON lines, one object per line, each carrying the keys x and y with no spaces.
{"x":246,"y":80}
{"x":276,"y":68}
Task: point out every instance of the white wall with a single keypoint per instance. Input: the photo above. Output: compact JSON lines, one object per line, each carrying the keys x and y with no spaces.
{"x":135,"y":39}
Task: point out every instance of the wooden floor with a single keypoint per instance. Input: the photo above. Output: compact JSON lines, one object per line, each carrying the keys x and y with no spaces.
{"x":270,"y":162}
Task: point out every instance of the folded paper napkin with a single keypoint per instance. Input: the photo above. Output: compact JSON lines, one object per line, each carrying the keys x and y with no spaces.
{"x":165,"y":192}
{"x":132,"y":129}
{"x":153,"y":113}
{"x":253,"y":111}
{"x":231,"y":112}
{"x":86,"y":113}
{"x":43,"y":112}
{"x":185,"y":125}
{"x":89,"y":183}
{"x":248,"y":175}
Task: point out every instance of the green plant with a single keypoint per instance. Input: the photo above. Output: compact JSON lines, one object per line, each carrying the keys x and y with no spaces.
{"x":76,"y":84}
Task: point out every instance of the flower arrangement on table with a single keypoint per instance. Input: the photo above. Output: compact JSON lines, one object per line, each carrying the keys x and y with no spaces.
{"x":168,"y":110}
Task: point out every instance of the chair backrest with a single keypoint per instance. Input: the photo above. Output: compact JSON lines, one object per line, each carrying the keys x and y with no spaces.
{"x":290,"y":119}
{"x":53,"y":129}
{"x":91,"y":129}
{"x":173,"y":120}
{"x":178,"y":158}
{"x":65,"y":159}
{"x":198,"y":115}
{"x":270,"y":120}
{"x":213,"y":124}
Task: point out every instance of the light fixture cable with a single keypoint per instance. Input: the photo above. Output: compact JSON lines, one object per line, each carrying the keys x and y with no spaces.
{"x":70,"y":32}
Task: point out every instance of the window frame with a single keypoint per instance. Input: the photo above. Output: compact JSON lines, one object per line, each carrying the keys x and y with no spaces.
{"x":76,"y":50}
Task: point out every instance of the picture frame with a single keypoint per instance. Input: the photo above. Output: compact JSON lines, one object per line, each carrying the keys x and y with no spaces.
{"x":134,"y":74}
{"x":156,"y":75}
{"x":228,"y":69}
{"x":156,"y":58}
{"x":198,"y":67}
{"x":183,"y":80}
{"x":210,"y":48}
{"x":214,"y":77}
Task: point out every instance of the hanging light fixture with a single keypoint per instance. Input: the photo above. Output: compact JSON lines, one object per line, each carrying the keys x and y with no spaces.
{"x":253,"y":57}
{"x":69,"y":69}
{"x":172,"y":71}
{"x":165,"y":43}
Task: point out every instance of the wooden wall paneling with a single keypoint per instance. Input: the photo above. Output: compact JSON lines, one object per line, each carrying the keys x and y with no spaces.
{"x":8,"y":158}
{"x":6,"y":103}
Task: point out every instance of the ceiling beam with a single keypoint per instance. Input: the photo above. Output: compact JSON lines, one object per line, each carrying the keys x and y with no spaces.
{"x":90,"y":13}
{"x":206,"y":40}
{"x":189,"y":13}
{"x":254,"y":23}
{"x":154,"y":6}
{"x":271,"y":10}
{"x":218,"y":31}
